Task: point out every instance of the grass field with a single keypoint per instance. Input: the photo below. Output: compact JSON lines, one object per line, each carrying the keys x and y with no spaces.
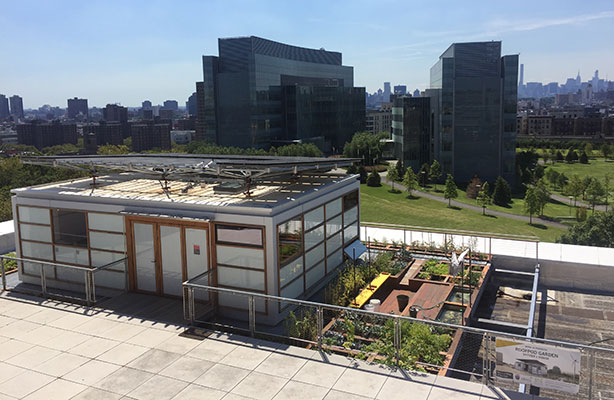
{"x":378,"y":204}
{"x":597,"y":168}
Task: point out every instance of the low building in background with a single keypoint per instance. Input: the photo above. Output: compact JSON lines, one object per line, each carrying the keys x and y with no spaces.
{"x":378,"y":121}
{"x":77,"y":108}
{"x":150,"y":136}
{"x":43,"y":134}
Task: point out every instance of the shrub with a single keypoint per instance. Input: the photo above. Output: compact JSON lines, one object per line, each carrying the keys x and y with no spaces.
{"x":374,"y":179}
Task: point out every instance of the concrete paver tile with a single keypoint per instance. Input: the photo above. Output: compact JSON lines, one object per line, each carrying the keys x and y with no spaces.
{"x":69,"y":321}
{"x":260,"y":386}
{"x":122,"y":332}
{"x":158,"y":388}
{"x":61,"y":364}
{"x":67,"y":340}
{"x":46,"y":316}
{"x":294,"y":390}
{"x":319,"y":373}
{"x":24,"y":384}
{"x":8,"y":371}
{"x":222,"y":377}
{"x":338,"y":395}
{"x":41,"y":334}
{"x":397,"y":389}
{"x":360,"y":382}
{"x":245,"y":357}
{"x":59,"y":389}
{"x":187,"y":368}
{"x":197,"y":392}
{"x":124,"y":380}
{"x":13,"y":347}
{"x":178,"y":344}
{"x":282,"y":365}
{"x":95,"y":326}
{"x":91,"y":372}
{"x":212,"y":350}
{"x":96,"y":394}
{"x":154,"y":360}
{"x":122,"y":354}
{"x":150,"y":337}
{"x":441,"y":393}
{"x":33,"y":356}
{"x":18,"y":328}
{"x":93,"y":347}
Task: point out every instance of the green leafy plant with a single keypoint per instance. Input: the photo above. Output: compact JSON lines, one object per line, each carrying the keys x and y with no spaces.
{"x":303,"y":327}
{"x":434,"y":268}
{"x":10,"y":265}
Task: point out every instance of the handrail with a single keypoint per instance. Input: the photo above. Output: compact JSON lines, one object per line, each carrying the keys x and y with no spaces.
{"x":30,"y":260}
{"x":492,"y":235}
{"x":390,"y":316}
{"x":110,"y":264}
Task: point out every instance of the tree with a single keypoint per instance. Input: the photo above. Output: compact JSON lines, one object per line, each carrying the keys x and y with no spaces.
{"x":366,"y":146}
{"x":474,"y":187}
{"x":588,"y":149}
{"x":435,"y":172}
{"x":423,"y":175}
{"x":538,"y":172}
{"x":484,"y":198}
{"x":374,"y":179}
{"x":581,"y":214}
{"x":362,"y":171}
{"x":531,"y":203}
{"x":553,"y":176}
{"x":607,"y":179}
{"x":450,"y":191}
{"x":502,"y":195}
{"x":583,"y":158}
{"x":392,"y":175}
{"x":559,"y":156}
{"x":352,"y":170}
{"x":586,"y":181}
{"x":606,"y":150}
{"x":543,"y":195}
{"x":562,"y":181}
{"x":594,"y":193}
{"x":571,"y":156}
{"x":400,"y":168}
{"x":410,"y":181}
{"x":597,"y":230}
{"x":574,"y":188}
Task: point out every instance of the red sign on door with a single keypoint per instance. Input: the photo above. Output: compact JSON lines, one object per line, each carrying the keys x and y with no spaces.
{"x":196,"y":249}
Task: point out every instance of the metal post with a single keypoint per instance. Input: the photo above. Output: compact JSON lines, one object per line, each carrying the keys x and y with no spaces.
{"x":43,"y":280}
{"x":591,"y":362}
{"x":126,"y":277}
{"x":404,"y":238}
{"x":87,"y":288}
{"x":320,"y":324}
{"x":93,"y":289}
{"x":191,"y":305}
{"x":445,"y":242}
{"x":397,"y":339}
{"x":490,"y":247}
{"x":252,"y":315}
{"x":3,"y":274}
{"x":484,"y":358}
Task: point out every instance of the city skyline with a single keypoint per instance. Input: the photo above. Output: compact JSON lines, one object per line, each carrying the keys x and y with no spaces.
{"x":125,"y":57}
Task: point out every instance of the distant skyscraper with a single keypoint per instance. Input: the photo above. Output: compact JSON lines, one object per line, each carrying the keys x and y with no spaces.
{"x":386,"y":97}
{"x":201,"y":124}
{"x":477,"y":118}
{"x":150,"y":136}
{"x":521,"y":81}
{"x":171,"y":105}
{"x":259,"y":93}
{"x":400,"y":90}
{"x":77,"y":106}
{"x":114,"y":112}
{"x":416,"y":93}
{"x":191,"y":105}
{"x":4,"y":107}
{"x":411,"y":130}
{"x":41,"y":135}
{"x":146,"y":105}
{"x":16,"y":103}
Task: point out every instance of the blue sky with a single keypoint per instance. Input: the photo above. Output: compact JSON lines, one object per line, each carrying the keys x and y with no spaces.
{"x":129,"y":51}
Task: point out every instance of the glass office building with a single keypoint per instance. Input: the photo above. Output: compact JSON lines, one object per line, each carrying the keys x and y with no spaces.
{"x":477,"y":105}
{"x":260,"y":93}
{"x":412,"y":130}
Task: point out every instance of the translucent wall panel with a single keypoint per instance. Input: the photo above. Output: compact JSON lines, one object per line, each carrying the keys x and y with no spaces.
{"x":350,"y":232}
{"x":333,"y":208}
{"x":334,"y":261}
{"x":333,"y":225}
{"x":71,"y":255}
{"x":240,"y":278}
{"x":314,"y":218}
{"x":196,"y":251}
{"x":314,"y":237}
{"x":170,"y":247}
{"x":350,"y":216}
{"x":293,"y":290}
{"x":314,"y":275}
{"x":240,"y":256}
{"x":100,"y":258}
{"x":314,"y":256}
{"x":108,"y":241}
{"x":290,"y":271}
{"x":239,"y":234}
{"x":333,"y":243}
{"x":106,"y":222}
{"x":36,"y":250}
{"x":69,"y":275}
{"x":35,"y":232}
{"x":145,"y":257}
{"x":33,"y":214}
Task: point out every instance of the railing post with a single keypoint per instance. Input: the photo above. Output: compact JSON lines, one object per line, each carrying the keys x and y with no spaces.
{"x":93,"y":289}
{"x":3,"y":274}
{"x":486,"y":360}
{"x":126,"y":277}
{"x":397,"y":339}
{"x":591,"y":362}
{"x":86,"y":277}
{"x":320,"y":324}
{"x":252,"y":315}
{"x":43,"y":280}
{"x":191,"y":305}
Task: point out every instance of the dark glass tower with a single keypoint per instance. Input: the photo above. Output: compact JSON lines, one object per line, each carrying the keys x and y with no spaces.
{"x":477,"y":108}
{"x":259,"y":93}
{"x":411,"y":130}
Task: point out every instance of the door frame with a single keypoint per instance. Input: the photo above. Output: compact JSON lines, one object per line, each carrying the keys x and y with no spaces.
{"x":156,"y":223}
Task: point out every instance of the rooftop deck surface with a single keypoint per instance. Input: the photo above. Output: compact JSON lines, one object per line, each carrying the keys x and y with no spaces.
{"x":119,"y":350}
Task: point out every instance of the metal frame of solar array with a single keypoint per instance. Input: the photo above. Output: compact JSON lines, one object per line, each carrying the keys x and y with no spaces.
{"x":197,"y":167}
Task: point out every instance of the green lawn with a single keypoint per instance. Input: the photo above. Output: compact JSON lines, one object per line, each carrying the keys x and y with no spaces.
{"x":380,"y":205}
{"x":552,"y":210}
{"x":597,"y":168}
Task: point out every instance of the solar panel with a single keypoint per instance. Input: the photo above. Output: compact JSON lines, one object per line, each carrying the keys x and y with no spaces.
{"x":196,"y":167}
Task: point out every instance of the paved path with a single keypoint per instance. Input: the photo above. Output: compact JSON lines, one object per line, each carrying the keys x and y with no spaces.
{"x":579,"y":203}
{"x":55,"y":350}
{"x":455,"y":203}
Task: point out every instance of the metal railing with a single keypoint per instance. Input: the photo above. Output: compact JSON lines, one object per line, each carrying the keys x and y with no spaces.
{"x":58,"y":292}
{"x":432,"y":346}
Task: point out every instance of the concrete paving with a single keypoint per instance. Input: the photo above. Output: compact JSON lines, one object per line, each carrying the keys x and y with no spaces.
{"x":56,"y":350}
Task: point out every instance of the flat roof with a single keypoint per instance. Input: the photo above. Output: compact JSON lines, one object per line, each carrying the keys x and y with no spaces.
{"x":126,"y":187}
